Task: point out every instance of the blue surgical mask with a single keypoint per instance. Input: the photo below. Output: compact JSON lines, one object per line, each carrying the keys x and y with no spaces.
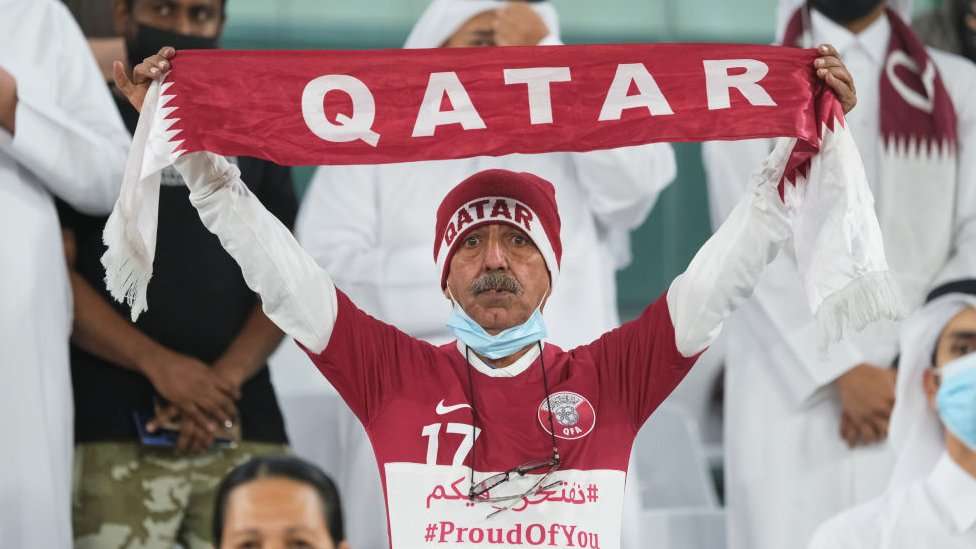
{"x":956,"y":399}
{"x":505,"y":343}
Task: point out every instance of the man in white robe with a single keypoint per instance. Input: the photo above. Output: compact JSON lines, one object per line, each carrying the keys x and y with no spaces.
{"x":60,"y":135}
{"x":931,"y":500}
{"x":358,"y":223}
{"x":789,"y":458}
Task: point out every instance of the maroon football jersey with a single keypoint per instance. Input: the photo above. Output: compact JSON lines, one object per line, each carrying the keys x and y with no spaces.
{"x":414,"y":400}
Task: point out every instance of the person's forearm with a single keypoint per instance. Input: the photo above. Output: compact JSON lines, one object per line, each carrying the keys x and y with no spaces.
{"x":250,"y":350}
{"x":728,"y":266}
{"x":296,"y":294}
{"x":100,"y":330}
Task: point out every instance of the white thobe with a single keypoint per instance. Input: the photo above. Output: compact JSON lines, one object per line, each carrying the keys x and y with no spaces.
{"x":70,"y":143}
{"x":787,"y":469}
{"x":936,"y":511}
{"x":372,"y":228}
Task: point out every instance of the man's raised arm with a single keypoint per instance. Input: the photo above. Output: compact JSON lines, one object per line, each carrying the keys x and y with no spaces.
{"x":296,"y":294}
{"x":727,"y":267}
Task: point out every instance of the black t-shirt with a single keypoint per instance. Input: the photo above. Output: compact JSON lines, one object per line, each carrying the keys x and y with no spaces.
{"x":198,"y":302}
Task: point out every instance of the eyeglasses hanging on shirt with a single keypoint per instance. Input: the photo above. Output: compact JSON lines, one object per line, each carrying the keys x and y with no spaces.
{"x":544,"y":467}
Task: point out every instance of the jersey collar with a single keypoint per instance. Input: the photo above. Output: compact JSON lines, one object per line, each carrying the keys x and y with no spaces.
{"x":516,"y":368}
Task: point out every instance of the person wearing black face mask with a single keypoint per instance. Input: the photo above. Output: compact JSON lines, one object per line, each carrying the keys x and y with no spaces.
{"x":180,"y":397}
{"x":951,"y":27}
{"x":846,"y":11}
{"x":147,"y":26}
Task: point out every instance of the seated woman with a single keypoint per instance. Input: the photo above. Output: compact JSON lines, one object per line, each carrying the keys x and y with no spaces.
{"x":278,"y":501}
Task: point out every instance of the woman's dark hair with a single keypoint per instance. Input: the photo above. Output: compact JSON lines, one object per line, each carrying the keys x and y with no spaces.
{"x":288,"y":467}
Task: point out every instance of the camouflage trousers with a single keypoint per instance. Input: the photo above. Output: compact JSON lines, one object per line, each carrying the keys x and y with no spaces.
{"x":130,"y":496}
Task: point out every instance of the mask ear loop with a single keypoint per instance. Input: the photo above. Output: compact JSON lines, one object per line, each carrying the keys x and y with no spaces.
{"x":545,"y":296}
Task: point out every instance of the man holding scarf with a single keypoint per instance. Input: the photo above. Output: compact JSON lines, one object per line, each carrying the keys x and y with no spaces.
{"x":498,"y":424}
{"x":352,"y":222}
{"x":815,"y":443}
{"x":931,"y":498}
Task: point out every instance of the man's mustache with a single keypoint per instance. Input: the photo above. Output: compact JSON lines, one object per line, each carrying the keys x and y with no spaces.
{"x":496,"y":280}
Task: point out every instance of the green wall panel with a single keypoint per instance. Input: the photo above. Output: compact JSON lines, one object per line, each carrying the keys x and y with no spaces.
{"x":666,"y":242}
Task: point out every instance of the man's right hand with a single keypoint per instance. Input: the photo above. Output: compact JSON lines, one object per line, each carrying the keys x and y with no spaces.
{"x":194,"y":438}
{"x":193,"y":387}
{"x":151,"y":68}
{"x":867,"y":395}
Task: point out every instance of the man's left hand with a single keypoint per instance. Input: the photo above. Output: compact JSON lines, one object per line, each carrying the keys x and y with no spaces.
{"x":8,"y":101}
{"x":867,"y":397}
{"x":832,"y":71}
{"x":194,"y":437}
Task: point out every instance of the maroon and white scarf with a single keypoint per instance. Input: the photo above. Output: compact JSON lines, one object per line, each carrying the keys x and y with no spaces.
{"x":918,"y":156}
{"x":368,"y":107}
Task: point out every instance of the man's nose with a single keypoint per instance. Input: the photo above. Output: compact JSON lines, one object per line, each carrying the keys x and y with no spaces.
{"x":495,"y":256}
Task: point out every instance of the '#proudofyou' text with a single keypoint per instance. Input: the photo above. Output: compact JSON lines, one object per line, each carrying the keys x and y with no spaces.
{"x":535,"y":534}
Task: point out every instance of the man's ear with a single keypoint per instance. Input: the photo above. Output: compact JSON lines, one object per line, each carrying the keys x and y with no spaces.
{"x":344,"y":544}
{"x":930,"y":384}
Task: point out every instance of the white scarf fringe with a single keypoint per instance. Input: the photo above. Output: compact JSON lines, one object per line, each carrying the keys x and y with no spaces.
{"x":866,"y":299}
{"x":838,"y":244}
{"x":130,"y":233}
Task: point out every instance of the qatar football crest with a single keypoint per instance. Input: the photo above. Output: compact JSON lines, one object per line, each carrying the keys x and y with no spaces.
{"x":573,"y":416}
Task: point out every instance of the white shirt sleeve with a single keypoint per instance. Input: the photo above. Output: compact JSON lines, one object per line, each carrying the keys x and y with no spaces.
{"x":339,"y":224}
{"x":70,"y":136}
{"x":622,"y":185}
{"x":727,"y":267}
{"x":296,"y":294}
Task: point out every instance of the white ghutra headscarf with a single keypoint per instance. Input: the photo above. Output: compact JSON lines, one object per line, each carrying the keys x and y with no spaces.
{"x":442,"y":18}
{"x":916,"y":432}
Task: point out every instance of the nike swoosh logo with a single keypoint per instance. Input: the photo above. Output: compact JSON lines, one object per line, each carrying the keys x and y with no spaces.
{"x":441,"y":409}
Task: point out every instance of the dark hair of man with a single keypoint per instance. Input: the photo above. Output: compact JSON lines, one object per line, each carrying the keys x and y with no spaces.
{"x":963,"y":286}
{"x":288,"y":467}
